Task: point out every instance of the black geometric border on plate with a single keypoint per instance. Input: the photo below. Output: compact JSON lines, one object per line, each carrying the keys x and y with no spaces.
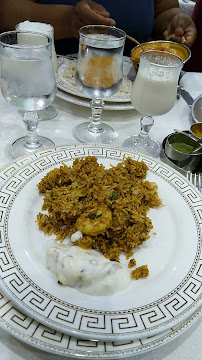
{"x":35,"y":334}
{"x":68,"y":318}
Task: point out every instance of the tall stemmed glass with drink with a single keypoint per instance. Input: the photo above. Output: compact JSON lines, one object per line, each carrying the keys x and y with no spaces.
{"x":153,"y":93}
{"x":28,"y":82}
{"x":50,"y":112}
{"x":99,"y":74}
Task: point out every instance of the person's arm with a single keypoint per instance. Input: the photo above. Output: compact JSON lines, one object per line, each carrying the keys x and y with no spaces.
{"x":170,"y":20}
{"x":65,"y":19}
{"x":13,"y":12}
{"x":164,"y":11}
{"x":88,"y":12}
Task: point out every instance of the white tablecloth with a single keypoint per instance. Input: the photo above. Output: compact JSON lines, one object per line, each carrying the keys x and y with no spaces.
{"x":188,"y":345}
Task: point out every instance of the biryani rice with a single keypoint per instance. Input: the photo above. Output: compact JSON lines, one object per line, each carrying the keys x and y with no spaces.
{"x":114,"y":200}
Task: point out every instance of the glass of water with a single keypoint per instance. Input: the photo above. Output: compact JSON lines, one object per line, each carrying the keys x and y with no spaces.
{"x":50,"y":112}
{"x":28,"y":82}
{"x":99,"y":74}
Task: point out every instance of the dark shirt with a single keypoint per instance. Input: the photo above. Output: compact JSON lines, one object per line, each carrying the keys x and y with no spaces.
{"x":195,"y":63}
{"x":135,"y":17}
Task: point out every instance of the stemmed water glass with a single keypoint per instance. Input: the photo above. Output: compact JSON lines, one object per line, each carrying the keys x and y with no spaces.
{"x":99,"y":74}
{"x":28,"y":82}
{"x":153,"y":93}
{"x":31,"y":26}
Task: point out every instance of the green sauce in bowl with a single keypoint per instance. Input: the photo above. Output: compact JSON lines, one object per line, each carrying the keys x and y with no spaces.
{"x":182,"y":147}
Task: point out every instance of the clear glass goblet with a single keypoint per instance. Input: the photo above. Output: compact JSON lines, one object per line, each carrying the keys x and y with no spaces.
{"x":153,"y":93}
{"x":28,"y":82}
{"x":31,"y":26}
{"x":99,"y":74}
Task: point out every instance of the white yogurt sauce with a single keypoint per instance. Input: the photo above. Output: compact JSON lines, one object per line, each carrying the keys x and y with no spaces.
{"x":86,"y":270}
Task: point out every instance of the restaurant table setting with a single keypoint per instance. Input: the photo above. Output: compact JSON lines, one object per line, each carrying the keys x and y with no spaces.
{"x":154,"y":318}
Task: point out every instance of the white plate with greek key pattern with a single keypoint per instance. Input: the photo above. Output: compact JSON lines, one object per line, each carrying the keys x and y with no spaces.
{"x":65,"y":79}
{"x":35,"y":334}
{"x":170,"y":293}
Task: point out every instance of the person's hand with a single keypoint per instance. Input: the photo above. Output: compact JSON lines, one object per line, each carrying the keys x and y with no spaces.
{"x":87,"y":12}
{"x":181,"y":26}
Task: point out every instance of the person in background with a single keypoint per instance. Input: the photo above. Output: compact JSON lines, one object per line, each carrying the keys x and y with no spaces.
{"x":195,"y":63}
{"x":140,"y":19}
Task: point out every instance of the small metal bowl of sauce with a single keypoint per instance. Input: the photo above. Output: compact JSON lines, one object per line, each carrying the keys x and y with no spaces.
{"x":178,"y":49}
{"x":196,"y":130}
{"x":179,"y":149}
